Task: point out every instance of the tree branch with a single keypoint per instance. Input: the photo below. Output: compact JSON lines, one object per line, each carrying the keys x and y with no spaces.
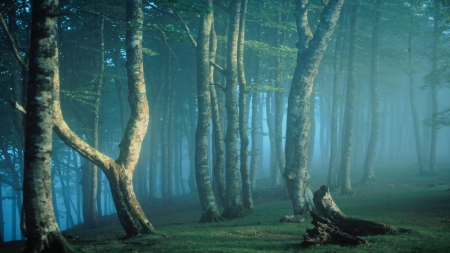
{"x":13,"y":44}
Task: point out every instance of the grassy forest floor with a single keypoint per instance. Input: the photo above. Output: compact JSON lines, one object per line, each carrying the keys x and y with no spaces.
{"x":399,"y":198}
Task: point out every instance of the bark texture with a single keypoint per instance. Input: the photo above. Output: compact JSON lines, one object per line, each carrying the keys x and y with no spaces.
{"x":119,"y":172}
{"x":247,"y":200}
{"x":219,"y":149}
{"x":42,"y":231}
{"x":310,"y":52}
{"x":233,"y":205}
{"x":210,"y":211}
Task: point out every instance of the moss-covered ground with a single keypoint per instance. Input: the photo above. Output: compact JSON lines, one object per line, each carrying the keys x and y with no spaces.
{"x":399,"y":197}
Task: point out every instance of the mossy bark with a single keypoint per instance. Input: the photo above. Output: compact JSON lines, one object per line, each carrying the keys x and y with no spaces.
{"x":42,"y":231}
{"x":309,"y":56}
{"x":207,"y":200}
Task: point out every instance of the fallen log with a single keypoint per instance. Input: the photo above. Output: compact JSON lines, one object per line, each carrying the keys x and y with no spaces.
{"x":332,"y":226}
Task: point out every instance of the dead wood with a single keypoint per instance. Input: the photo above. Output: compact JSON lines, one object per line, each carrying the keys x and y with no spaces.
{"x":331,"y":226}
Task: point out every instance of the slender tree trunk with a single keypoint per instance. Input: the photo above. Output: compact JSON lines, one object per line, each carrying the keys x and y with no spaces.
{"x":369,"y":173}
{"x":42,"y":231}
{"x":279,"y":96}
{"x":207,"y":200}
{"x":247,"y":200}
{"x":233,"y":208}
{"x":256,"y":98}
{"x":412,"y":100}
{"x":219,"y":150}
{"x":349,"y":118}
{"x":335,"y":106}
{"x":434,"y":89}
{"x":309,"y":56}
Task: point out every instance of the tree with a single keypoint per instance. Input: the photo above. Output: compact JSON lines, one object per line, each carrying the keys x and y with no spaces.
{"x":119,"y":172}
{"x":210,"y":211}
{"x":369,"y":174}
{"x":42,"y":231}
{"x":349,"y":118}
{"x":310,"y":51}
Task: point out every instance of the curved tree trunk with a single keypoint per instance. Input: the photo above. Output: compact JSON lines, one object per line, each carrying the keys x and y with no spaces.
{"x":42,"y":231}
{"x":120,"y":172}
{"x":348,"y":128}
{"x":298,"y":123}
{"x":369,"y":173}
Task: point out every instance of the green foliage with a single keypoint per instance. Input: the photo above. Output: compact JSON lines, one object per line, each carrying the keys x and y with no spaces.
{"x":268,"y":50}
{"x":149,"y":52}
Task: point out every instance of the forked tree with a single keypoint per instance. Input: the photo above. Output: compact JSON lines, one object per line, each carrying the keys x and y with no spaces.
{"x":310,"y":51}
{"x":119,"y":172}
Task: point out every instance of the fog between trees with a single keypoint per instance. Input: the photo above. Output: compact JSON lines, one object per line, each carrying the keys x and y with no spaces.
{"x":222,"y":99}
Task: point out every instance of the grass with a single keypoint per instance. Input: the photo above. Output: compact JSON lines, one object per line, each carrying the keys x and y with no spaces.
{"x":398,"y":198}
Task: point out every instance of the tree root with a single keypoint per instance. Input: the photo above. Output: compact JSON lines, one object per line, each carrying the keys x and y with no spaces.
{"x":235,"y":212}
{"x":48,"y":242}
{"x":211,"y":216}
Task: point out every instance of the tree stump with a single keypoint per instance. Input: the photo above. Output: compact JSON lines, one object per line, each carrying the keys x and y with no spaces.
{"x":331,"y":226}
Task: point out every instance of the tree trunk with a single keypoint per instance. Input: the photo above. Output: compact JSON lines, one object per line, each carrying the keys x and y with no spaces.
{"x":369,"y":173}
{"x":207,"y":200}
{"x":434,"y":89}
{"x":255,"y":126}
{"x":412,"y":101}
{"x":247,"y":199}
{"x":42,"y":231}
{"x":298,"y":123}
{"x":120,"y":171}
{"x":337,"y":70}
{"x":219,"y":150}
{"x":233,"y":209}
{"x":349,"y":118}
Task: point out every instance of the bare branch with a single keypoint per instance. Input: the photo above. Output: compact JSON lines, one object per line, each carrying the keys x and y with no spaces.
{"x":12,"y":43}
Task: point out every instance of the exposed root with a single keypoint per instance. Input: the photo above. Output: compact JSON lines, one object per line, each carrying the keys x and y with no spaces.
{"x":211,"y":216}
{"x":235,"y":212}
{"x":48,"y":242}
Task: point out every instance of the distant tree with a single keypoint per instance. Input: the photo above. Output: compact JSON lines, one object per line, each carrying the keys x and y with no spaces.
{"x":42,"y":231}
{"x":369,"y":173}
{"x":310,"y":51}
{"x":349,"y":118}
